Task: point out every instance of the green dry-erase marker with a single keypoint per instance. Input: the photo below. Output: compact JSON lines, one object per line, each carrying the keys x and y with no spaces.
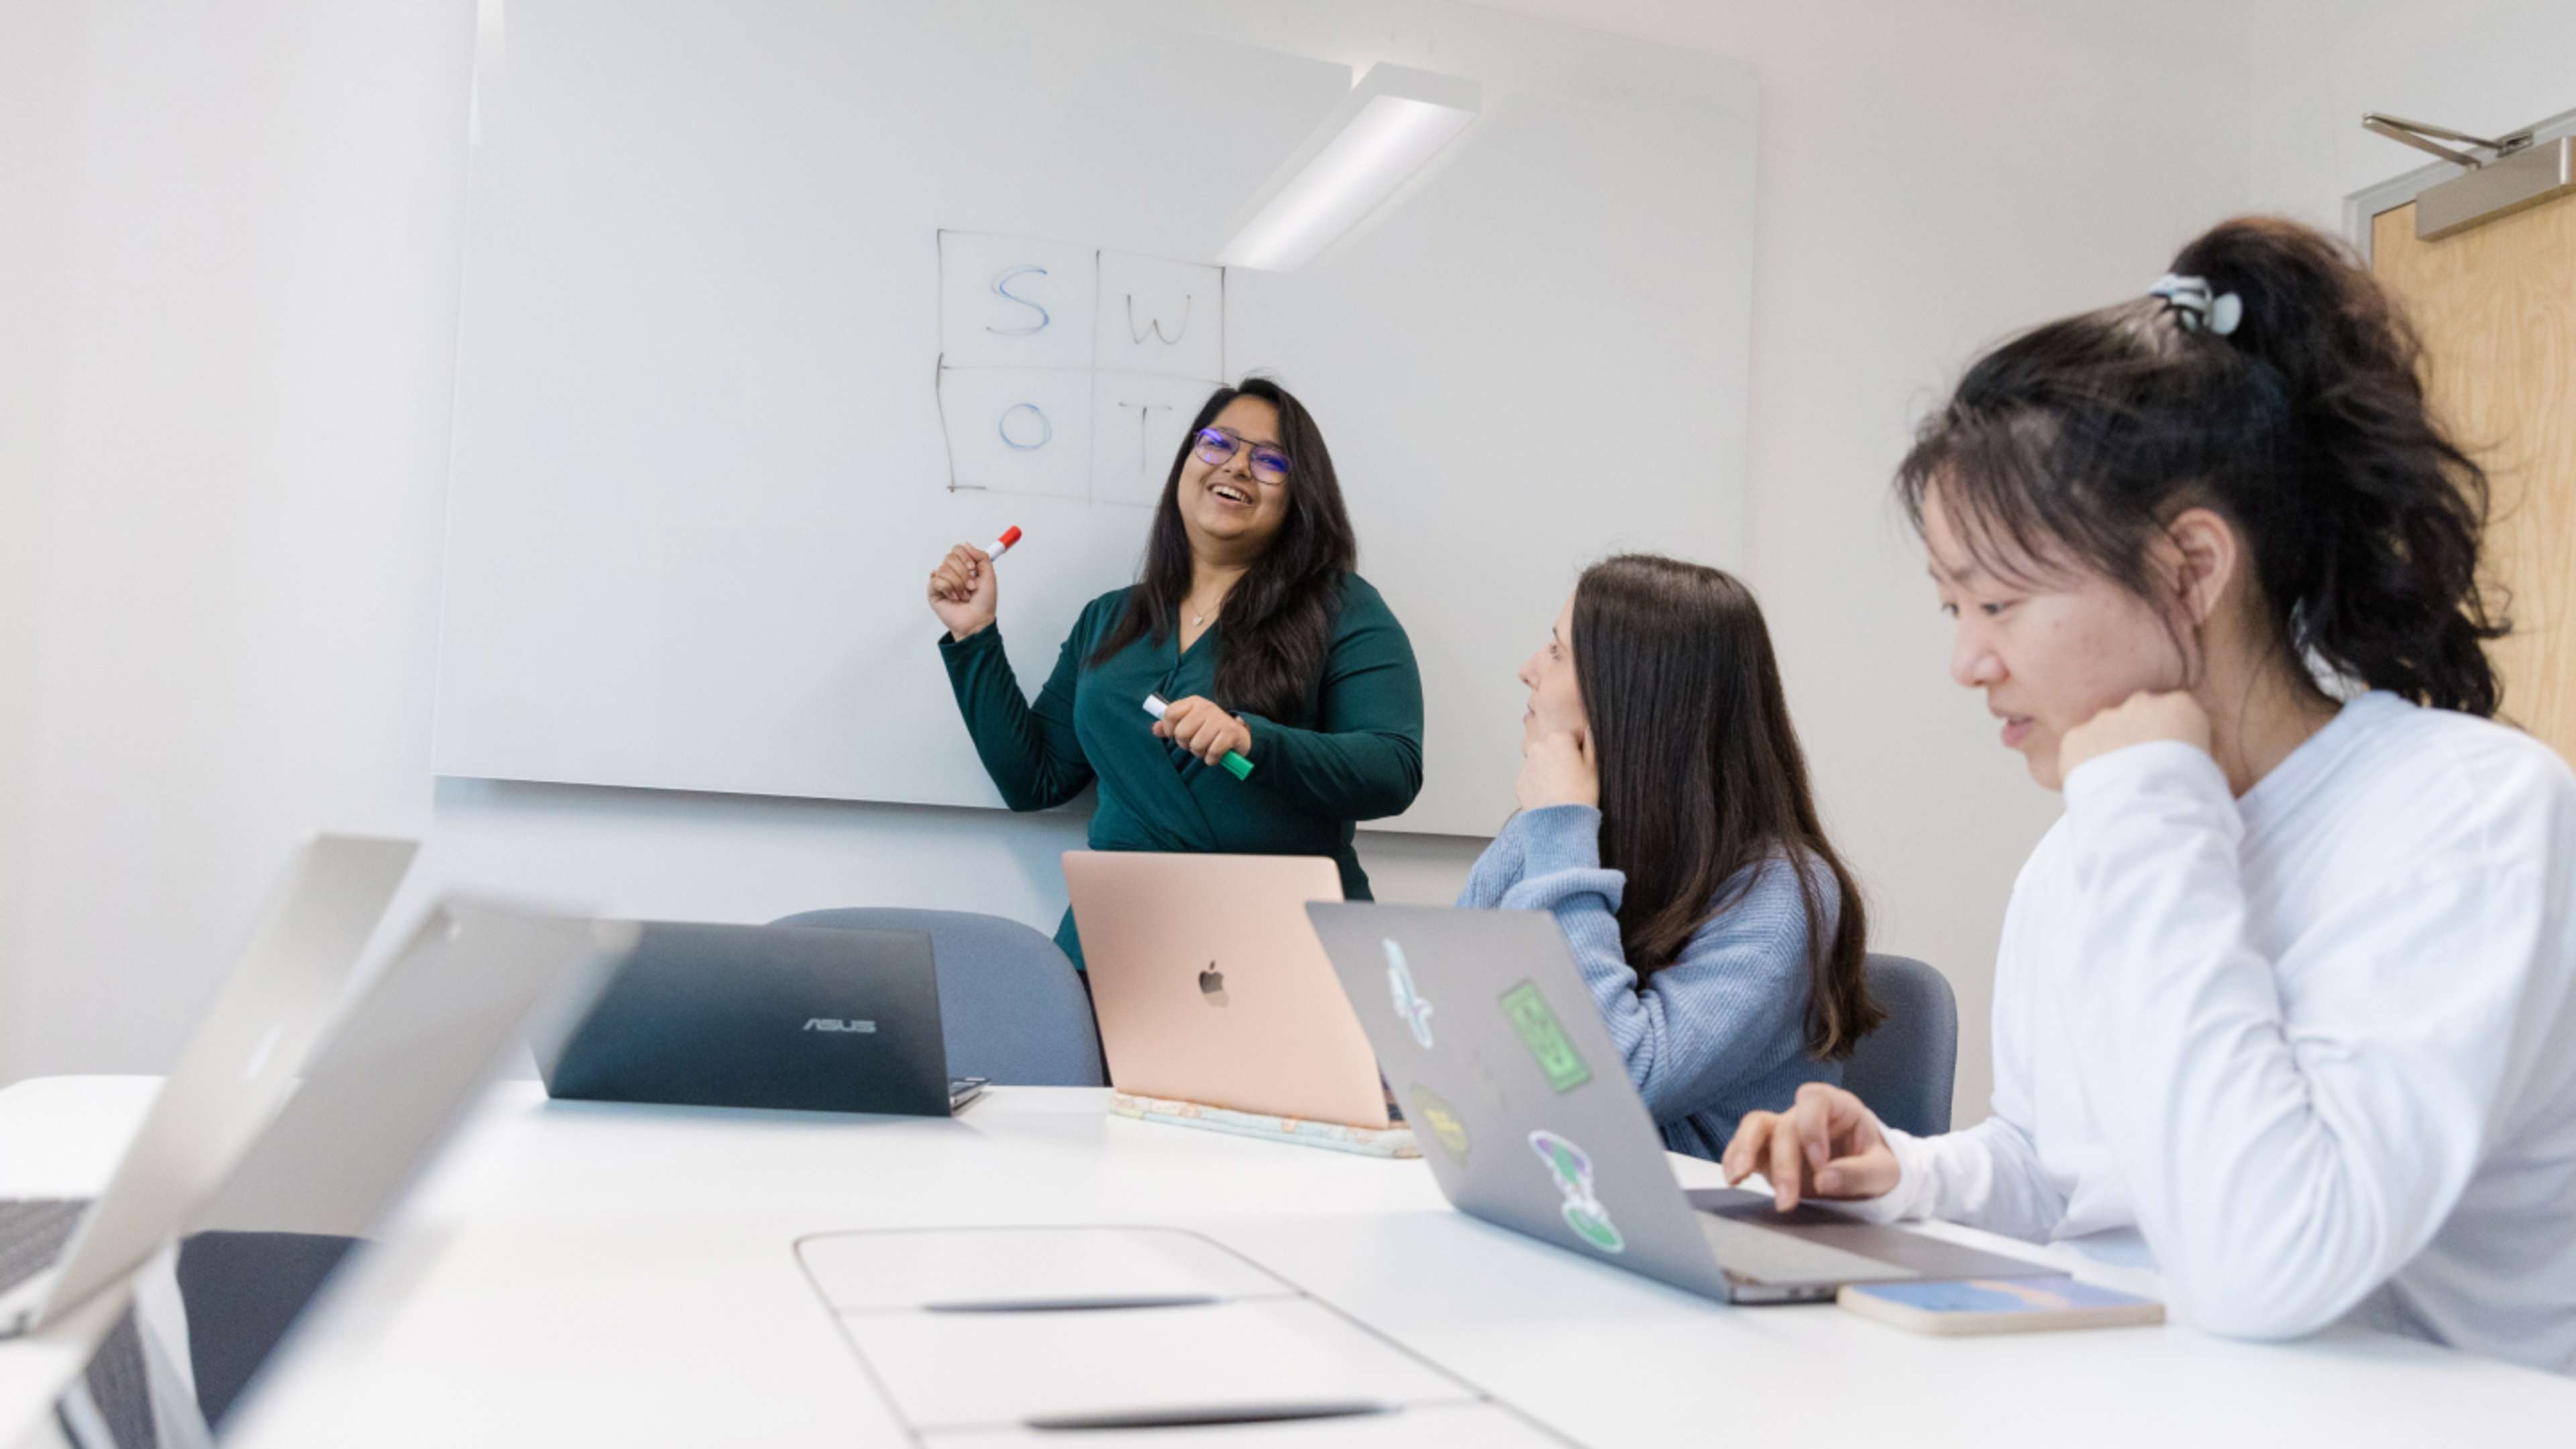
{"x":1241,"y":767}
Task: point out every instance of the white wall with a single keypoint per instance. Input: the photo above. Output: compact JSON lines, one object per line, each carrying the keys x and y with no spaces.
{"x":226,"y":617}
{"x":2484,"y":67}
{"x":237,"y":481}
{"x":38,"y":76}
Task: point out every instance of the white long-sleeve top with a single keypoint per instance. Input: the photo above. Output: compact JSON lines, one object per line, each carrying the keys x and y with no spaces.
{"x":2316,"y":1046}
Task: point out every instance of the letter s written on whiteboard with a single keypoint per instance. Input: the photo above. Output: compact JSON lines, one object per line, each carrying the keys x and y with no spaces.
{"x":1002,"y":289}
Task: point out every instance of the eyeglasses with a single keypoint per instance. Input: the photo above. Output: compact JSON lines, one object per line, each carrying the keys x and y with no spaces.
{"x":1216,"y":445}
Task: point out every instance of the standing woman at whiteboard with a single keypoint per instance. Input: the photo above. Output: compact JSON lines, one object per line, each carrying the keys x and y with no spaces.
{"x":1248,"y":619}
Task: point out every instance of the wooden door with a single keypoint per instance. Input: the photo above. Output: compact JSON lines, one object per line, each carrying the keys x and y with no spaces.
{"x":2497,"y":307}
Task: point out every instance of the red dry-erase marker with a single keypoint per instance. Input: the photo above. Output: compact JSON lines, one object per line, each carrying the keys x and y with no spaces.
{"x":1002,"y":545}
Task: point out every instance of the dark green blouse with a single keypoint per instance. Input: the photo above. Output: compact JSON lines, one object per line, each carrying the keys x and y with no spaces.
{"x":1353,"y":753}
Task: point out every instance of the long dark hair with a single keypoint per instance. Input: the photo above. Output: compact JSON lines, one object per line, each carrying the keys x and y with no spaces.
{"x":1701,"y":776}
{"x":2305,"y":426}
{"x":1279,"y":618}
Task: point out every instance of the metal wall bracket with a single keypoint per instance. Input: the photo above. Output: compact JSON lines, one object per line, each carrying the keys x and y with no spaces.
{"x":2422,"y":137}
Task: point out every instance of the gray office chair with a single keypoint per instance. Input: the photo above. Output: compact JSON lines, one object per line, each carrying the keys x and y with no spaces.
{"x":1903,"y":1070}
{"x":1010,"y":1007}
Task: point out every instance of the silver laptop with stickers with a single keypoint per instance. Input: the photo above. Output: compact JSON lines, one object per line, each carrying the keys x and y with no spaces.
{"x":1485,"y":1031}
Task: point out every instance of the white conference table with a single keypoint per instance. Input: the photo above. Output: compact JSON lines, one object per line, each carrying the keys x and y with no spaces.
{"x":575,"y":1273}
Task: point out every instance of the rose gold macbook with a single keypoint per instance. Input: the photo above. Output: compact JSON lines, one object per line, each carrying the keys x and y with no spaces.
{"x":1211,"y":986}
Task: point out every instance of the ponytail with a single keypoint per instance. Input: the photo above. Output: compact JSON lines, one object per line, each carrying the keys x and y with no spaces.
{"x":2269,"y":378}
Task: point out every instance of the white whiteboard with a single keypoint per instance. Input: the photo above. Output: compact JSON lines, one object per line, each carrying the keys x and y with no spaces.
{"x":710,"y":380}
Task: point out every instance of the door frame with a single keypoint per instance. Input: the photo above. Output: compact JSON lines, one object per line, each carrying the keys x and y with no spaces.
{"x":2362,"y":206}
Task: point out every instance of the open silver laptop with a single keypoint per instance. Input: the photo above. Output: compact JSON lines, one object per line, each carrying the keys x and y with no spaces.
{"x":395,"y":1074}
{"x":1488,"y":1036}
{"x":227,"y":1085}
{"x":398,"y":1069}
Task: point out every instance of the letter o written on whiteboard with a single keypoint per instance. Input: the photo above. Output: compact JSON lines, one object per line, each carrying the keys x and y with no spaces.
{"x":1025,"y":434}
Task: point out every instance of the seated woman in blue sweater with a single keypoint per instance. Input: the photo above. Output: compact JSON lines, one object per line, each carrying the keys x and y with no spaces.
{"x":1663,"y":797}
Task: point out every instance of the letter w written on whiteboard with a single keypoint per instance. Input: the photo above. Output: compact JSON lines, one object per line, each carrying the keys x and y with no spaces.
{"x":1154,"y":325}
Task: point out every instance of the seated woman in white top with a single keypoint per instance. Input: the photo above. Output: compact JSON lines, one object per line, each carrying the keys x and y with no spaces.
{"x":2288,"y":996}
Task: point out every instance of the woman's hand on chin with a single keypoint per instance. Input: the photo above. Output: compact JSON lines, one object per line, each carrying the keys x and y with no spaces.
{"x":1557,"y":768}
{"x":2142,"y":717}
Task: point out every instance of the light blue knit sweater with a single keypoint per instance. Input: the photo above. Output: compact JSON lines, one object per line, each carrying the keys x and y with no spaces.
{"x":1718,"y":1033}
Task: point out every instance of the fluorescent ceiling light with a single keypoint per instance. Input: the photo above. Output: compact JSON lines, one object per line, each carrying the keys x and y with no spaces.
{"x":1396,"y":119}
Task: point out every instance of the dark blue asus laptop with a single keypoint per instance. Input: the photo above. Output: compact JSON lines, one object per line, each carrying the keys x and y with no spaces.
{"x":805,"y":1018}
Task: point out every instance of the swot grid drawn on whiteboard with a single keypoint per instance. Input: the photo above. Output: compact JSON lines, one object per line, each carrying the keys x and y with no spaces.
{"x":1071,"y":371}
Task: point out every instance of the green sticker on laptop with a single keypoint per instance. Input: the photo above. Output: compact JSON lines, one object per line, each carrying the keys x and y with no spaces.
{"x":1545,"y":1039}
{"x":1447,"y":1127}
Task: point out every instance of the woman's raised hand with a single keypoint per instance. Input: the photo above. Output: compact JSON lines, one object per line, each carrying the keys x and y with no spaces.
{"x":1827,"y":1145}
{"x":962,"y":592}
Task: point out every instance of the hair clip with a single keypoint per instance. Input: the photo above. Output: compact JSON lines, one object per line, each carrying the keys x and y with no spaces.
{"x":2189,"y":299}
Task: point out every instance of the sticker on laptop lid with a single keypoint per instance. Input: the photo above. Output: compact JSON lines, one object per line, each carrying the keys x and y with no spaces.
{"x":1545,"y":1039}
{"x":1447,"y":1127}
{"x":1583,"y":1211}
{"x":1408,"y":1002}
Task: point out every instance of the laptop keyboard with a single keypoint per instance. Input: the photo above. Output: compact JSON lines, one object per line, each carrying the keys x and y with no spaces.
{"x":33,"y":1232}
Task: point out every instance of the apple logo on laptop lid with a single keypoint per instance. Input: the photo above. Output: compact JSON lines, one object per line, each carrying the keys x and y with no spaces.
{"x":1212,"y":985}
